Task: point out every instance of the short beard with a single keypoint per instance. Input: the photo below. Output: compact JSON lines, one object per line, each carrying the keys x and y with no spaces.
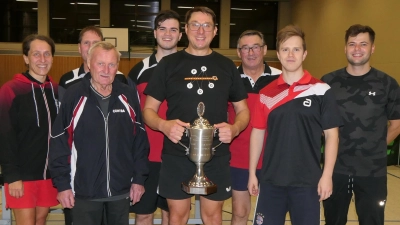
{"x":363,"y":62}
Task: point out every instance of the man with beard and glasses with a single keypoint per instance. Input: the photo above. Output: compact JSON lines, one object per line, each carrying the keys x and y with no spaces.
{"x":167,"y":34}
{"x":255,"y":74}
{"x":183,"y":79}
{"x":369,"y":103}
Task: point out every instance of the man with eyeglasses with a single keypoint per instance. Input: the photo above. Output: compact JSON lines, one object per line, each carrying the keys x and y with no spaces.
{"x":183,"y":79}
{"x":255,"y":74}
{"x":167,"y":34}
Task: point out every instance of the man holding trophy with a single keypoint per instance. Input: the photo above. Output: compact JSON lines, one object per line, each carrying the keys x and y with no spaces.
{"x":197,"y":84}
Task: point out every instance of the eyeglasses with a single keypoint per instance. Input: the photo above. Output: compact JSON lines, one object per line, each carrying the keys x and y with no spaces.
{"x":246,"y":49}
{"x":196,"y":26}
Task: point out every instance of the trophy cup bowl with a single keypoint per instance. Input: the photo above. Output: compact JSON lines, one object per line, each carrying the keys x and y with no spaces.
{"x":201,"y":135}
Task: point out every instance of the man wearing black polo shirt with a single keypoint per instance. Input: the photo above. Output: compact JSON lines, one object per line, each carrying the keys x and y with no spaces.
{"x":255,"y":74}
{"x":87,"y":37}
{"x":369,"y":103}
{"x":292,"y":112}
{"x":183,"y":79}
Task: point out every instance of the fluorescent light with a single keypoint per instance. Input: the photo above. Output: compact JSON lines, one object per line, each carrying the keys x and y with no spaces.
{"x":185,"y":7}
{"x":141,"y":21}
{"x":232,"y":24}
{"x":93,"y":19}
{"x":144,"y":5}
{"x":34,"y":8}
{"x":129,"y":4}
{"x":143,"y":26}
{"x":58,"y":18}
{"x":84,"y":3}
{"x":241,"y":9}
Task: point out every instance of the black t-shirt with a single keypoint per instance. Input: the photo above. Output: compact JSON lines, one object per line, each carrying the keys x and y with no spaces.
{"x":366,"y":103}
{"x":220,"y":84}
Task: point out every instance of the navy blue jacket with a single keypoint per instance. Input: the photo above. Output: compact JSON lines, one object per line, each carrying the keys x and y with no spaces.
{"x":96,"y":155}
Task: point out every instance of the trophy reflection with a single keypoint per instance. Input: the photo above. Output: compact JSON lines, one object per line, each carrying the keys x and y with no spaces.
{"x":201,"y":135}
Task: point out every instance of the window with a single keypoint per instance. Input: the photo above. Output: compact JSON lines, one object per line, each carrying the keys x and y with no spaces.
{"x":67,"y":18}
{"x":254,"y":15}
{"x":182,"y":6}
{"x":19,"y":19}
{"x":138,"y":16}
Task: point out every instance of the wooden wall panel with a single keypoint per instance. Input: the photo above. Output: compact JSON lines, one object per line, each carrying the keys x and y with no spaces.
{"x":12,"y":64}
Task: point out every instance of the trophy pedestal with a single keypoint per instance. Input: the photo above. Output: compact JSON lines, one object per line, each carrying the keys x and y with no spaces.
{"x":199,"y":190}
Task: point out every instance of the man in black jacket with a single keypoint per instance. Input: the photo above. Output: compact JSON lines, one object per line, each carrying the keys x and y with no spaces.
{"x":87,"y":37}
{"x":99,"y":147}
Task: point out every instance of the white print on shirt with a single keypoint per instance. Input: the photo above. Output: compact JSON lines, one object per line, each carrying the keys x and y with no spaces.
{"x":199,"y":78}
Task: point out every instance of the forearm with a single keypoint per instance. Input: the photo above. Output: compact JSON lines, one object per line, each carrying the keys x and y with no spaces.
{"x":393,"y":130}
{"x":331,"y":150}
{"x":152,"y":119}
{"x":241,"y":121}
{"x":256,"y":144}
{"x":242,"y":116}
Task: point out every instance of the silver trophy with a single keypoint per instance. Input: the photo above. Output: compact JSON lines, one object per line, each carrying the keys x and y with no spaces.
{"x":201,"y":135}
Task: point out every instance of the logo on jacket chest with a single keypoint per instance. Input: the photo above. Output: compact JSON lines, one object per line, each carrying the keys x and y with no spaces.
{"x":118,"y":111}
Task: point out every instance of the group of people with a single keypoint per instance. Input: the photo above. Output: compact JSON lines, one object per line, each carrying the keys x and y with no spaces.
{"x":104,"y":145}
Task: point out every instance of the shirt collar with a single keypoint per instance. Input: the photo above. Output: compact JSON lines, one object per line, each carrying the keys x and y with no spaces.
{"x":267,"y":70}
{"x":305,"y":79}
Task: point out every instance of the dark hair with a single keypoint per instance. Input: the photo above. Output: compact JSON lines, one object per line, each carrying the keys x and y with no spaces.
{"x":202,"y":9}
{"x":355,"y":29}
{"x":251,"y":33}
{"x":93,"y":29}
{"x":288,"y":32}
{"x":165,"y":15}
{"x":26,"y":43}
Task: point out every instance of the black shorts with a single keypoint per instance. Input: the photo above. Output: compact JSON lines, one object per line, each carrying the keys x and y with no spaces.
{"x":178,"y":169}
{"x":150,"y":200}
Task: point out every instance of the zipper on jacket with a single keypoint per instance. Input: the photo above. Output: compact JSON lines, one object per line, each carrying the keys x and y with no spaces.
{"x":107,"y":151}
{"x":49,"y":130}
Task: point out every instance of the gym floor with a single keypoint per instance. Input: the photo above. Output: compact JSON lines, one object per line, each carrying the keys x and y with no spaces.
{"x":392,"y":211}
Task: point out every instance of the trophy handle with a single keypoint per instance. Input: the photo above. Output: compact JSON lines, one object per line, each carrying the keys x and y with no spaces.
{"x":213,"y":148}
{"x":186,"y":148}
{"x":179,"y":142}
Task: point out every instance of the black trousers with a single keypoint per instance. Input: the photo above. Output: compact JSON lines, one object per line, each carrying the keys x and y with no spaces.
{"x":87,"y":212}
{"x":370,"y":199}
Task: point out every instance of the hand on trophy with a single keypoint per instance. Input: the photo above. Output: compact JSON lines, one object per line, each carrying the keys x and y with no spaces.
{"x":174,"y":129}
{"x":226,"y":132}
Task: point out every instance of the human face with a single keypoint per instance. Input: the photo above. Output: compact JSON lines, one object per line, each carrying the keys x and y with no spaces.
{"x":358,"y":49}
{"x":167,"y":34}
{"x":291,"y":54}
{"x":200,"y":39}
{"x":252,"y":59}
{"x":88,"y":39}
{"x":39,"y":59}
{"x":103,"y":66}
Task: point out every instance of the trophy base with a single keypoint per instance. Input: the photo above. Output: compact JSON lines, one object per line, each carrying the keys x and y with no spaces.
{"x":199,"y":190}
